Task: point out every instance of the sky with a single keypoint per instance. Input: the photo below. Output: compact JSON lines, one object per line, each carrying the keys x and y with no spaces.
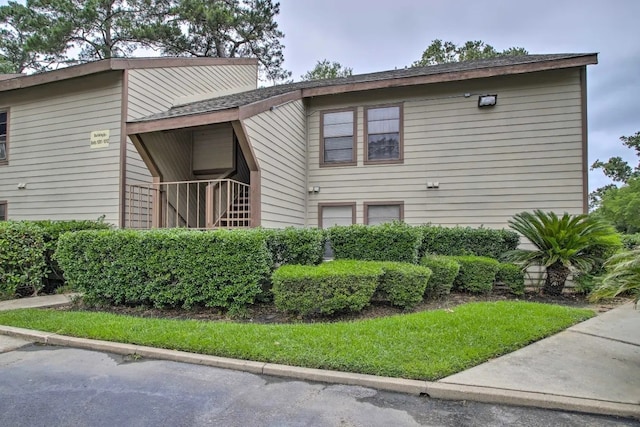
{"x":372,"y":35}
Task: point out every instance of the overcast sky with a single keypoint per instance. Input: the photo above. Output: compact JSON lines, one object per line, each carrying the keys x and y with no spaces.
{"x":371,"y":35}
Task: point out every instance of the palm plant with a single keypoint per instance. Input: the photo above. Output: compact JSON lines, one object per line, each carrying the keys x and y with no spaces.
{"x":562,"y":244}
{"x":623,"y":276}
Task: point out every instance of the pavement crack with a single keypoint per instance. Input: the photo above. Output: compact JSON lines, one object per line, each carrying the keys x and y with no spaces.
{"x":607,"y":338}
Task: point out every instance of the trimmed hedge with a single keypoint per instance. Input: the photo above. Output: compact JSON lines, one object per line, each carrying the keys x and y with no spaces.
{"x":476,"y":274}
{"x":22,"y":260}
{"x":385,"y":242}
{"x":511,"y":276}
{"x":402,"y":284}
{"x":467,"y":241}
{"x":444,"y":271}
{"x":331,"y":287}
{"x":177,"y":267}
{"x":291,"y":245}
{"x":52,"y":230}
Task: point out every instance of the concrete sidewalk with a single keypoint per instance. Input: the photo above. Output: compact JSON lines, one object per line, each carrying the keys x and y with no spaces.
{"x":592,"y":367}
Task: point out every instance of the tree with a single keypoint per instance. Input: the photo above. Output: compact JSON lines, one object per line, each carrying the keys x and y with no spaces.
{"x":226,"y":29}
{"x":22,"y":46}
{"x":101,"y":29}
{"x":561,"y":244}
{"x":327,"y":70}
{"x":440,"y":52}
{"x":616,"y":169}
{"x":621,"y":206}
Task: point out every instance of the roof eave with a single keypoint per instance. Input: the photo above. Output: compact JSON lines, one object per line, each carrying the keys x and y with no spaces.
{"x":454,"y":76}
{"x":115,"y":64}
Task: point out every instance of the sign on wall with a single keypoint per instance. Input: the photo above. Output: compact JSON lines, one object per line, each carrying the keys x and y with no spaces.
{"x":99,"y":138}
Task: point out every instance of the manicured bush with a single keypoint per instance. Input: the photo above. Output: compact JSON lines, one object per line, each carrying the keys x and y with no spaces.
{"x":52,"y":230}
{"x":296,"y":245}
{"x":512,"y":276}
{"x":221,"y":268}
{"x":385,"y":242}
{"x":402,"y":284}
{"x":476,"y":274}
{"x":331,"y":287}
{"x":467,"y":241}
{"x":22,"y":261}
{"x":444,"y":271}
{"x":630,"y":241}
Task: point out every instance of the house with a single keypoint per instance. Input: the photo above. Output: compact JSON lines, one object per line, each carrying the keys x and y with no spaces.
{"x":468,"y":143}
{"x":64,"y":151}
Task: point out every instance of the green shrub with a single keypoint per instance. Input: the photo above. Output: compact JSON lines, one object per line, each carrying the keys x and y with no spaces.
{"x":512,"y":276}
{"x":385,"y":242}
{"x":444,"y":271}
{"x":467,"y":241}
{"x":584,"y":283}
{"x":22,"y":261}
{"x":630,"y":241}
{"x":476,"y":274}
{"x":325,"y":289}
{"x":403,"y":284}
{"x":52,"y":230}
{"x":291,"y":245}
{"x":221,"y":268}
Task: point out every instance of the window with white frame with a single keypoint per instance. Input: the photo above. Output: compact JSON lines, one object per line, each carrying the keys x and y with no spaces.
{"x":338,"y":139}
{"x":381,"y":212}
{"x":383,"y":139}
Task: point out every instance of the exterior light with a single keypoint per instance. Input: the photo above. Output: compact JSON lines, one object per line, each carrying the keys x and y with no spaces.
{"x":487,"y":100}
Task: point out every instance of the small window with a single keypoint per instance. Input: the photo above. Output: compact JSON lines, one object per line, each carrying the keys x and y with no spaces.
{"x":331,"y":214}
{"x":3,"y":210}
{"x":381,"y":212}
{"x":383,"y":142}
{"x":4,"y":127}
{"x":338,"y":139}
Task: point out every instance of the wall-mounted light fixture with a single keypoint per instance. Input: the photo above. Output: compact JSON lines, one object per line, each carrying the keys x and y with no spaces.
{"x":487,"y":100}
{"x":314,"y":189}
{"x":22,"y":185}
{"x":433,"y":184}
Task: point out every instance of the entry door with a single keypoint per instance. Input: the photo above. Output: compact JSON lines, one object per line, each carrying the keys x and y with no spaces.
{"x":335,"y":214}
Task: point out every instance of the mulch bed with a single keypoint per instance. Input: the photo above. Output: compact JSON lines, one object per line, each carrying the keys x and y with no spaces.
{"x":266,"y":313}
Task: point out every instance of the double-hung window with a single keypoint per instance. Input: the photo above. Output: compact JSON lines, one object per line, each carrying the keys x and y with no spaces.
{"x":3,"y":210}
{"x":383,"y":135}
{"x":4,"y":128}
{"x":338,"y":139}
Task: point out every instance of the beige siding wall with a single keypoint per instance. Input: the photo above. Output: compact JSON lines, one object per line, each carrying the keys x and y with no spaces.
{"x":525,"y":153}
{"x":279,"y":143}
{"x":49,"y":139}
{"x":157,"y":89}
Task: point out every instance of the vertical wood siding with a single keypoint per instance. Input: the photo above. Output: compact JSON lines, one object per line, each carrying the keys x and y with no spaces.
{"x":525,"y":153}
{"x":50,"y":150}
{"x":279,"y":143}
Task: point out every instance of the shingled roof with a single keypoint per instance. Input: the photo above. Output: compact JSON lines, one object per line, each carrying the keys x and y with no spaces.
{"x":402,"y":77}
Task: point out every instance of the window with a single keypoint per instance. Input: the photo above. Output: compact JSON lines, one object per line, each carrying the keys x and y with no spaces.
{"x":3,"y":210}
{"x":330,"y":214}
{"x":383,"y":141}
{"x":4,"y":127}
{"x":381,"y":212}
{"x":338,"y":138}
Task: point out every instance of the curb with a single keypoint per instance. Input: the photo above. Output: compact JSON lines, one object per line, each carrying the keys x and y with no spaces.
{"x":435,"y":390}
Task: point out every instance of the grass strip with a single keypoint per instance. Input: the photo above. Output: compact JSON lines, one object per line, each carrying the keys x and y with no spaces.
{"x":428,"y":345}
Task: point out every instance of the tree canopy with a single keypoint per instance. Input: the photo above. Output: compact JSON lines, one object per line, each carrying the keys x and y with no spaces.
{"x":327,"y":70}
{"x":440,"y":52}
{"x":620,"y":205}
{"x":45,"y":33}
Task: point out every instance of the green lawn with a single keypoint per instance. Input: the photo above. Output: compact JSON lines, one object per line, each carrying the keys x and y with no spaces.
{"x":427,"y":345}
